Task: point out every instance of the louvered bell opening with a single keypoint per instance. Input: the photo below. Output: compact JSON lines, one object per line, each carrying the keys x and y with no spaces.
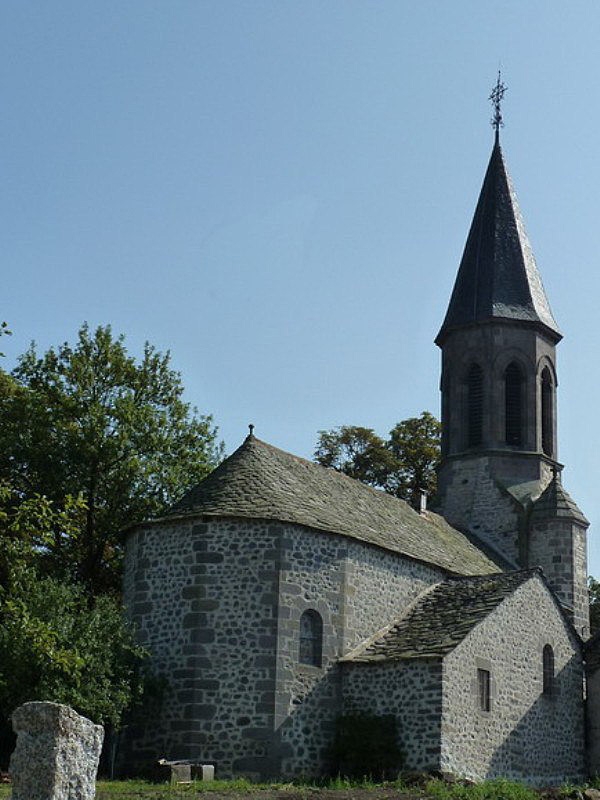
{"x":547,"y":434}
{"x":475,"y":405}
{"x":513,"y":393}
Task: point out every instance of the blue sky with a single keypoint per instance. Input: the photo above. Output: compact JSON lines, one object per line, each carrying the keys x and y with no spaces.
{"x":279,"y":193}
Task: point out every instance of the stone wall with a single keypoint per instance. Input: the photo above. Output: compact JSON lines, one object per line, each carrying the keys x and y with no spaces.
{"x":472,"y":500}
{"x":593,"y":716}
{"x":559,"y":546}
{"x":204,"y":597}
{"x":526,"y":735}
{"x":357,"y":589}
{"x":218,"y":604}
{"x":412,"y":692}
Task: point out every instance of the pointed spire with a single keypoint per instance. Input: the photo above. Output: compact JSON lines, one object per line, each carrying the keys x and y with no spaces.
{"x":498,"y":277}
{"x":555,"y":501}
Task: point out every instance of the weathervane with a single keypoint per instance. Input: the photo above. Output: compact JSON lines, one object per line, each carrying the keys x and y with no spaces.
{"x":496,"y":99}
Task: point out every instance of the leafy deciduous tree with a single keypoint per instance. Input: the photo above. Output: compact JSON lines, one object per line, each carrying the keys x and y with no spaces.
{"x":56,"y":643}
{"x":402,"y":465}
{"x":357,"y":452}
{"x":89,"y":420}
{"x":415,"y":443}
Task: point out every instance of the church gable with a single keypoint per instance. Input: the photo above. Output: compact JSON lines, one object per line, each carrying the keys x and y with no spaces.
{"x":513,"y":693}
{"x":484,"y":678}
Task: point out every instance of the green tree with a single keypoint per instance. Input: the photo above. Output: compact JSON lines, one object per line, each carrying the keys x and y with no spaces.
{"x":415,"y":443}
{"x":90,"y":420}
{"x":56,"y":643}
{"x":4,"y":332}
{"x":357,"y":452}
{"x":401,"y":465}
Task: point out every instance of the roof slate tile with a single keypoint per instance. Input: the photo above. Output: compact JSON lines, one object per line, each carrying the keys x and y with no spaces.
{"x":262,"y":482}
{"x":440,"y":618}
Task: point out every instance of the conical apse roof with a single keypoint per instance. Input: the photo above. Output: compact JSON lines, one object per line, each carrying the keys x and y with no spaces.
{"x":259,"y":481}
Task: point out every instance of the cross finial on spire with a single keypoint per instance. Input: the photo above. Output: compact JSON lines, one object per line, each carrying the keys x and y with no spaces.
{"x":496,"y":99}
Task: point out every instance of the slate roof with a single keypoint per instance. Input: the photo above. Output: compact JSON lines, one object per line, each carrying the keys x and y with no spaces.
{"x":498,"y":277}
{"x":262,"y":482}
{"x":440,"y":618}
{"x":555,"y":501}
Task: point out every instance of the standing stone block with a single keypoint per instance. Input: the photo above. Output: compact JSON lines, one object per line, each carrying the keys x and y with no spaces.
{"x":57,"y":753}
{"x":206,"y":772}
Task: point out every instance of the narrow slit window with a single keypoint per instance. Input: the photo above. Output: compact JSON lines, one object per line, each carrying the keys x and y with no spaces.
{"x":548,"y":669}
{"x":547,"y":413}
{"x":445,"y":414}
{"x":475,"y":406}
{"x":311,"y":638}
{"x":513,"y":395}
{"x":483,"y":687}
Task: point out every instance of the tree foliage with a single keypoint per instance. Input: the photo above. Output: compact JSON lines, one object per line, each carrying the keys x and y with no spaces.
{"x":89,"y":420}
{"x":56,"y":643}
{"x":401,"y":465}
{"x":357,"y":452}
{"x":415,"y":444}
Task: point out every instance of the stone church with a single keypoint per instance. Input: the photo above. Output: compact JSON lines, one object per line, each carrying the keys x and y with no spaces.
{"x":279,"y":594}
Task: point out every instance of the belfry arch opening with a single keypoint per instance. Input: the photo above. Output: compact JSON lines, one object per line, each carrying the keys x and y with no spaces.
{"x":547,"y":412}
{"x":513,"y":405}
{"x":474,"y":405}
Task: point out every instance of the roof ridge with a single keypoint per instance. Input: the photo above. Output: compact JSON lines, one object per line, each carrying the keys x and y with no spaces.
{"x":500,"y":574}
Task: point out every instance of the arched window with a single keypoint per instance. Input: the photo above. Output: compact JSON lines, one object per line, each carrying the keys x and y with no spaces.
{"x":311,"y":638}
{"x":548,"y":666}
{"x":547,"y":413}
{"x":513,"y":403}
{"x":474,"y":405}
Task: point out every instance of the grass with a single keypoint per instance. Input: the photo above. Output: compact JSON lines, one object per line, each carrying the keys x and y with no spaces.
{"x":434,"y":789}
{"x":113,"y":790}
{"x":144,"y":790}
{"x":488,"y":790}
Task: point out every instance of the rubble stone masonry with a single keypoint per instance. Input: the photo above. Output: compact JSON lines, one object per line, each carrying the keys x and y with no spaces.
{"x":218,"y":602}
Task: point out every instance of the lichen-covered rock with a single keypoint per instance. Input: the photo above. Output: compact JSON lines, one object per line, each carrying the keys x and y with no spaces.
{"x":57,"y":753}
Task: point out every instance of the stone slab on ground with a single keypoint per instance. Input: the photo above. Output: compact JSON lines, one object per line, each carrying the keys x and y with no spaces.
{"x":56,"y":755}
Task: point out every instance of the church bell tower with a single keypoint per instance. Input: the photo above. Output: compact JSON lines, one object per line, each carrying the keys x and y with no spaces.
{"x":499,"y":474}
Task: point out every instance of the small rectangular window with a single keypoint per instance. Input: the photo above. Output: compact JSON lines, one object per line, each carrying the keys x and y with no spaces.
{"x":483,"y":686}
{"x":548,"y":673}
